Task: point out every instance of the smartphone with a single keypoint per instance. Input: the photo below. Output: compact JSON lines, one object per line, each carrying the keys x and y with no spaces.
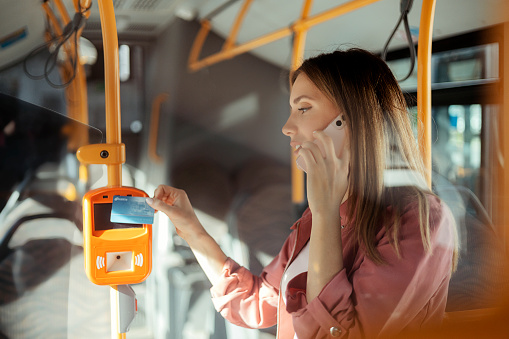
{"x":336,"y":130}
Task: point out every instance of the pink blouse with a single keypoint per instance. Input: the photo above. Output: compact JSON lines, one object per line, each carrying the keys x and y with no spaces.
{"x":364,"y":299}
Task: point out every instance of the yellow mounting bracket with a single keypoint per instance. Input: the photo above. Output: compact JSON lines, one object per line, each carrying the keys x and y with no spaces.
{"x":102,"y":154}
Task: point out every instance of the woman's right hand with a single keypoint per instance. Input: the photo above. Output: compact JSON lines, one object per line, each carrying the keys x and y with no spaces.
{"x":176,"y":205}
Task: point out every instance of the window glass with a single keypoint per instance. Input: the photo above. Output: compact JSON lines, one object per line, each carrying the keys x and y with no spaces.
{"x":456,"y":144}
{"x":455,"y":66}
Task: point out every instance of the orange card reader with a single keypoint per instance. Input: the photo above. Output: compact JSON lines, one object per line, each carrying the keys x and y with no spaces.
{"x":116,"y":253}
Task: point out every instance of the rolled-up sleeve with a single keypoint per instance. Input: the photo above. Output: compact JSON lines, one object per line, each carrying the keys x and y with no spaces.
{"x":247,"y":300}
{"x":332,"y":310}
{"x":380,"y":300}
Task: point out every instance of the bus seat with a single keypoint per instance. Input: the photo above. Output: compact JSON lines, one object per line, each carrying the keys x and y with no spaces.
{"x":28,"y":265}
{"x":43,"y":280}
{"x":481,"y":278}
{"x":42,"y":276}
{"x":33,"y":271}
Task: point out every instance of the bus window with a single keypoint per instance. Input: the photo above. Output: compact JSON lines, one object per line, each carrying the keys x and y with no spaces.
{"x":456,"y":146}
{"x":465,"y":73}
{"x":459,"y":67}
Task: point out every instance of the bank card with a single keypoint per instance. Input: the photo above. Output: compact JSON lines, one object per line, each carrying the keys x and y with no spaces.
{"x":131,"y":210}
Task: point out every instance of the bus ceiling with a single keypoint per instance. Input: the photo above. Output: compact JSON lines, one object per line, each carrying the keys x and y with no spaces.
{"x":145,"y":20}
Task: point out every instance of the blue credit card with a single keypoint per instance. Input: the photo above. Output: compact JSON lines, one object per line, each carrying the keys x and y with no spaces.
{"x":131,"y":210}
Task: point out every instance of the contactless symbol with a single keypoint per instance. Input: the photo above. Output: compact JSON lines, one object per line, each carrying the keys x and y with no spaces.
{"x":99,"y":262}
{"x":138,"y":260}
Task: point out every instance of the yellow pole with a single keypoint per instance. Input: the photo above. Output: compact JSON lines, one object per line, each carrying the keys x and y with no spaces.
{"x":112,"y":154}
{"x":154,"y":127}
{"x":299,"y":43}
{"x":76,"y":91}
{"x":424,"y":83}
{"x":112,"y":92}
{"x":233,"y":50}
{"x":112,"y":85}
{"x":501,"y":191}
{"x":230,"y":41}
{"x":81,"y":78}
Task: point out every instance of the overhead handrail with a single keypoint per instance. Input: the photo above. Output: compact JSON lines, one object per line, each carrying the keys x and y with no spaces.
{"x":230,"y":41}
{"x":231,"y":50}
{"x":154,"y":127}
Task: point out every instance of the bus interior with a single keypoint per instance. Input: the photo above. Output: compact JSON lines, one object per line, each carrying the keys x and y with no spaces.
{"x":201,"y":98}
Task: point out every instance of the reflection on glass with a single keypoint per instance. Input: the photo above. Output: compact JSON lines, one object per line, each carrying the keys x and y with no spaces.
{"x":41,"y":260}
{"x":456,"y":144}
{"x":32,"y":137}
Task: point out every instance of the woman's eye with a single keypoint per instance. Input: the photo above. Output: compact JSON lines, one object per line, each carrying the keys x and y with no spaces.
{"x":304,"y":109}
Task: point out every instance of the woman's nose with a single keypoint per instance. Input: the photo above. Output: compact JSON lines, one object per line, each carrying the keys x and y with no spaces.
{"x":288,"y":128}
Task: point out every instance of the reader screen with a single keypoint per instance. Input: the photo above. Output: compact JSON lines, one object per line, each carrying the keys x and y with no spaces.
{"x":102,"y":214}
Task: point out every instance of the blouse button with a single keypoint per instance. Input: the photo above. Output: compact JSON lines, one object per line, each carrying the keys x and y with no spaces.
{"x":335,"y":332}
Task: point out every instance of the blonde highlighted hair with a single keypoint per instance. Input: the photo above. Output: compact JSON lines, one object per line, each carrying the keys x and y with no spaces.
{"x":366,"y":92}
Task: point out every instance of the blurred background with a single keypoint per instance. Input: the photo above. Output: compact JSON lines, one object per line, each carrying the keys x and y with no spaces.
{"x":208,"y":119}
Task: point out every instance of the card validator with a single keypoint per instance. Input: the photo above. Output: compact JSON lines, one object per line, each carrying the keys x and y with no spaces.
{"x":116,"y":253}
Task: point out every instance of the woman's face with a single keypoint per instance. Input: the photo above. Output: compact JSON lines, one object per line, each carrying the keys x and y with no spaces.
{"x":310,"y":109}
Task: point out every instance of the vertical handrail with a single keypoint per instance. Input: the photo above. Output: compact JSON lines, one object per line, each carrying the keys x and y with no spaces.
{"x":113,"y":130}
{"x":52,"y":18}
{"x":424,"y":83}
{"x":81,"y":82}
{"x":299,"y":42}
{"x":63,"y":12}
{"x":112,"y":85}
{"x":76,"y":92}
{"x":154,"y":127}
{"x":502,"y":191}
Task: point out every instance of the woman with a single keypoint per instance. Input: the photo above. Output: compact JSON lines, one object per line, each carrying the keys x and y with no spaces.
{"x":378,"y":257}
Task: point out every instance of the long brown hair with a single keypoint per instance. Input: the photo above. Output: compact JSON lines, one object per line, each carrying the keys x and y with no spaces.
{"x":365,"y":90}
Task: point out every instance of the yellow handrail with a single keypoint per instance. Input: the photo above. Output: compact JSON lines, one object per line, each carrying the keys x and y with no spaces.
{"x":424,"y":83}
{"x":63,"y":12}
{"x":112,"y":85}
{"x":112,"y":93}
{"x":502,"y":190}
{"x":52,"y":18}
{"x":230,"y":41}
{"x":233,"y":50}
{"x":154,"y":127}
{"x":297,"y":57}
{"x":81,"y":81}
{"x":76,"y":92}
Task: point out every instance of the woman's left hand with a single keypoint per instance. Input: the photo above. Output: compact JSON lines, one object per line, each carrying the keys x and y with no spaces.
{"x":327,"y":184}
{"x":327,"y":174}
